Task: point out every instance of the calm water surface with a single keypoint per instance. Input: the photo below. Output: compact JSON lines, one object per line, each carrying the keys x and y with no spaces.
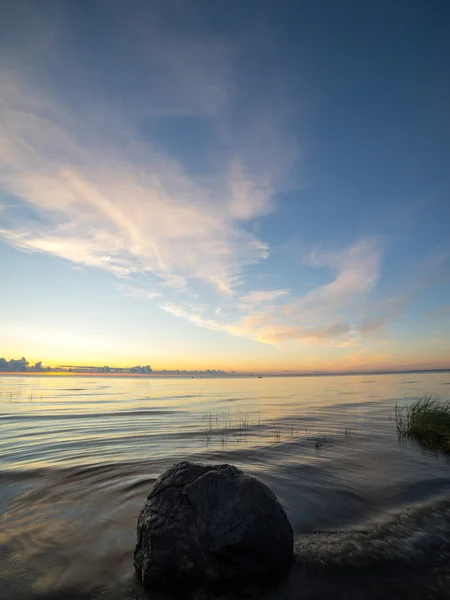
{"x":79,"y":456}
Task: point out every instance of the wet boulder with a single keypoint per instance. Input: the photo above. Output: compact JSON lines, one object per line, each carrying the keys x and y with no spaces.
{"x":208,"y":524}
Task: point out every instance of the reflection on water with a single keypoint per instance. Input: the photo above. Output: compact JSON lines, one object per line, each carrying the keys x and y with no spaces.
{"x":79,"y":455}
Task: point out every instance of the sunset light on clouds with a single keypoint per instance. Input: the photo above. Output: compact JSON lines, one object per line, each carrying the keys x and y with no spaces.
{"x":206,"y":185}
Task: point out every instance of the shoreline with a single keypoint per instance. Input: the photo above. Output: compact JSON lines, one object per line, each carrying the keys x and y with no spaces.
{"x":159,"y":375}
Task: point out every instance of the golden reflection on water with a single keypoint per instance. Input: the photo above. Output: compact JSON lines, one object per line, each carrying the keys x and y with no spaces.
{"x":79,"y":456}
{"x":56,"y":421}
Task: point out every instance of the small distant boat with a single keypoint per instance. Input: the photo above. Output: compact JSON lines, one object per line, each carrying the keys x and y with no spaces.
{"x":259,"y":376}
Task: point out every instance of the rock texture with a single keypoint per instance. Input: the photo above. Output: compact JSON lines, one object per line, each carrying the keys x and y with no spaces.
{"x":205,"y":524}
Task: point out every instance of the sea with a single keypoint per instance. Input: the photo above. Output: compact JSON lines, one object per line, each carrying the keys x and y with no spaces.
{"x":79,"y":455}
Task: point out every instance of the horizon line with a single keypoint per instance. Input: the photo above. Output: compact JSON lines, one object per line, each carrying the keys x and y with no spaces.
{"x":219,"y":373}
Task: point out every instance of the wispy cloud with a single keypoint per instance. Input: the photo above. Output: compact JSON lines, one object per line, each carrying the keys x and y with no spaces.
{"x":356,"y":269}
{"x":334,"y":314}
{"x":96,"y":188}
{"x":380,"y":314}
{"x":331,"y":312}
{"x":138,"y":292}
{"x":123,"y":209}
{"x":87,"y":180}
{"x":195,"y":316}
{"x":263,"y":296}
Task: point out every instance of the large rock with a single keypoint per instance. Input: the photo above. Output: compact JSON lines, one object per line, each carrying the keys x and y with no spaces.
{"x":204,"y":524}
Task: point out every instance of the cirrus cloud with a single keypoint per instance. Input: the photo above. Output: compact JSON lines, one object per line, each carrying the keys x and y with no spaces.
{"x":99,"y":205}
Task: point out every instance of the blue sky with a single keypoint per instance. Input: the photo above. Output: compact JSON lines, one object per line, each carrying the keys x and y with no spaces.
{"x":226,"y":185}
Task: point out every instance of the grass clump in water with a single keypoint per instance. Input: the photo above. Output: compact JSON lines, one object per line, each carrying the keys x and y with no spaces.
{"x":427,"y":421}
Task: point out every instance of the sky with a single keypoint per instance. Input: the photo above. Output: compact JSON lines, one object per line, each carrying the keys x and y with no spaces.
{"x":248,"y":186}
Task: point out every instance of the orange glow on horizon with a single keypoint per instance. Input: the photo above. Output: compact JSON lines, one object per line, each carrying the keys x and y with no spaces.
{"x":350,"y":364}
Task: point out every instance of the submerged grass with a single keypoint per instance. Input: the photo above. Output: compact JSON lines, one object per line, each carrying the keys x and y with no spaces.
{"x":229,"y":428}
{"x":427,"y":421}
